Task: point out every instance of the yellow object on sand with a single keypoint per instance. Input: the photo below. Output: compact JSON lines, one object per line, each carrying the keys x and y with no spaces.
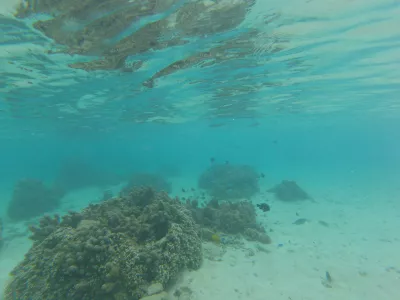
{"x":216,"y":238}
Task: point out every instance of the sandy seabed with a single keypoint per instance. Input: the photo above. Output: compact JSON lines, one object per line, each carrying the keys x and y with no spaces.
{"x":350,"y":232}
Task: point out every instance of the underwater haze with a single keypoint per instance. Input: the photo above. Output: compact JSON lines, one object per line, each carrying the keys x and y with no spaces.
{"x":199,"y":149}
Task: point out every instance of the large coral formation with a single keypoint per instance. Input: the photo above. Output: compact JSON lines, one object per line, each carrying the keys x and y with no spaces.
{"x":155,"y":181}
{"x":31,"y":198}
{"x":230,"y":218}
{"x":110,"y":251}
{"x":229,"y":182}
{"x":288,"y":190}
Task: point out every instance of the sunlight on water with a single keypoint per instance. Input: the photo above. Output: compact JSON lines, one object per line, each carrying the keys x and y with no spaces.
{"x":287,"y":56}
{"x":270,"y":126}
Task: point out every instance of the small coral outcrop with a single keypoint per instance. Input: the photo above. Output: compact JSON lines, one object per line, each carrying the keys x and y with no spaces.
{"x":289,"y":191}
{"x":31,"y":198}
{"x":229,"y":218}
{"x":230,"y":182}
{"x":115,"y":250}
{"x":155,"y":181}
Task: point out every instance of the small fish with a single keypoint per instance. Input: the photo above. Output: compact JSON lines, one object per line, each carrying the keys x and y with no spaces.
{"x":227,"y":162}
{"x":212,"y":160}
{"x":323,"y":223}
{"x":262,"y":175}
{"x":264,"y":207}
{"x":183,"y":190}
{"x":301,"y":221}
{"x":193,"y":189}
{"x":215,"y":125}
{"x":327,"y":281}
{"x":328,"y":277}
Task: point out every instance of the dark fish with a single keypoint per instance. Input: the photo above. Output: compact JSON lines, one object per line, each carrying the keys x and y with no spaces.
{"x":183,"y":190}
{"x":328,"y":277}
{"x":262,"y":175}
{"x":300,"y":221}
{"x":192,"y":189}
{"x":264,"y":207}
{"x":323,"y":223}
{"x":216,"y":125}
{"x":212,"y":159}
{"x":227,"y":162}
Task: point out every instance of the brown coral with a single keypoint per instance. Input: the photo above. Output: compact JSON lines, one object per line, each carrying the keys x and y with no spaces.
{"x":113,"y":250}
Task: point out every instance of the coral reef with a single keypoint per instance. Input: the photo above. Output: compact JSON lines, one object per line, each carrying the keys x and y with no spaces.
{"x":115,"y":250}
{"x":289,"y":191}
{"x":229,"y":218}
{"x":229,"y":182}
{"x":155,"y":181}
{"x":107,"y":195}
{"x":31,"y":198}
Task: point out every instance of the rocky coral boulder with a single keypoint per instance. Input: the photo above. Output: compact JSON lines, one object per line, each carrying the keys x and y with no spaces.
{"x":238,"y":218}
{"x":289,"y":191}
{"x":114,"y":250}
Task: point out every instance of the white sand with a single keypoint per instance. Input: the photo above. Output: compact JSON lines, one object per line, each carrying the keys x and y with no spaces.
{"x":360,"y":249}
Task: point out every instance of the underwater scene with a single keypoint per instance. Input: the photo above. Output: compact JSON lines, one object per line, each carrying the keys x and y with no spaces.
{"x":199,"y":150}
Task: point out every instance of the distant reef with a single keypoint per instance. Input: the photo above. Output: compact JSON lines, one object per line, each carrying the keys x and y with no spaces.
{"x":76,"y":173}
{"x":31,"y":198}
{"x":230,"y":182}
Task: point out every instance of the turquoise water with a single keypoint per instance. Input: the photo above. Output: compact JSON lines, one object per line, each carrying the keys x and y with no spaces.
{"x":298,"y":90}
